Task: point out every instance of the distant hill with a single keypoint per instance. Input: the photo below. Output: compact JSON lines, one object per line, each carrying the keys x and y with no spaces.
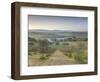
{"x":43,"y":30}
{"x":44,"y":34}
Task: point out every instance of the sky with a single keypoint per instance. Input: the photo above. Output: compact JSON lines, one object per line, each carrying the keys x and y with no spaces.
{"x":57,"y":23}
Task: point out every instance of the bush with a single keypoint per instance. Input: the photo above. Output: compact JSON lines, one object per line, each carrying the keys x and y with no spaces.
{"x":29,"y":53}
{"x":80,"y":53}
{"x":57,"y":43}
{"x":79,"y":58}
{"x":42,"y":57}
{"x":65,"y":43}
{"x":68,"y":51}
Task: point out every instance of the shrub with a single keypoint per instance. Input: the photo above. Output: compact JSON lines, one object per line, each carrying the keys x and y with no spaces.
{"x":29,"y":53}
{"x":42,"y":57}
{"x":80,"y":53}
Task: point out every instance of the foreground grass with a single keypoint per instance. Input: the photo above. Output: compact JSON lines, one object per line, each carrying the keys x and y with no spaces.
{"x":56,"y":58}
{"x":74,"y":52}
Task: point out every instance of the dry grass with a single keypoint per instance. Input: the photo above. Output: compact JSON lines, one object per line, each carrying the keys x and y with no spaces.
{"x":57,"y":58}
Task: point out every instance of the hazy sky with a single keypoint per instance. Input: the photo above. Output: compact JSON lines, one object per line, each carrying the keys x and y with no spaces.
{"x":58,"y":23}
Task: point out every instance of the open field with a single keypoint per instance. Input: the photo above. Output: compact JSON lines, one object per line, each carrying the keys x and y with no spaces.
{"x":56,"y":48}
{"x":57,"y":58}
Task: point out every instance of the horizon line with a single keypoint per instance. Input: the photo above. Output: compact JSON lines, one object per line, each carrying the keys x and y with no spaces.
{"x":58,"y":30}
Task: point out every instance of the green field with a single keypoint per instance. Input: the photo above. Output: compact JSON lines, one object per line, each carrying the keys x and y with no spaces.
{"x":57,"y":48}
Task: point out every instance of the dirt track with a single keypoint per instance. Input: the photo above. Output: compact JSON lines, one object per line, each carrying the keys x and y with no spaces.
{"x":58,"y":58}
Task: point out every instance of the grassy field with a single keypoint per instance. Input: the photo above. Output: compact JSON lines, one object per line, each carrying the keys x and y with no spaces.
{"x":43,"y":52}
{"x":71,"y":53}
